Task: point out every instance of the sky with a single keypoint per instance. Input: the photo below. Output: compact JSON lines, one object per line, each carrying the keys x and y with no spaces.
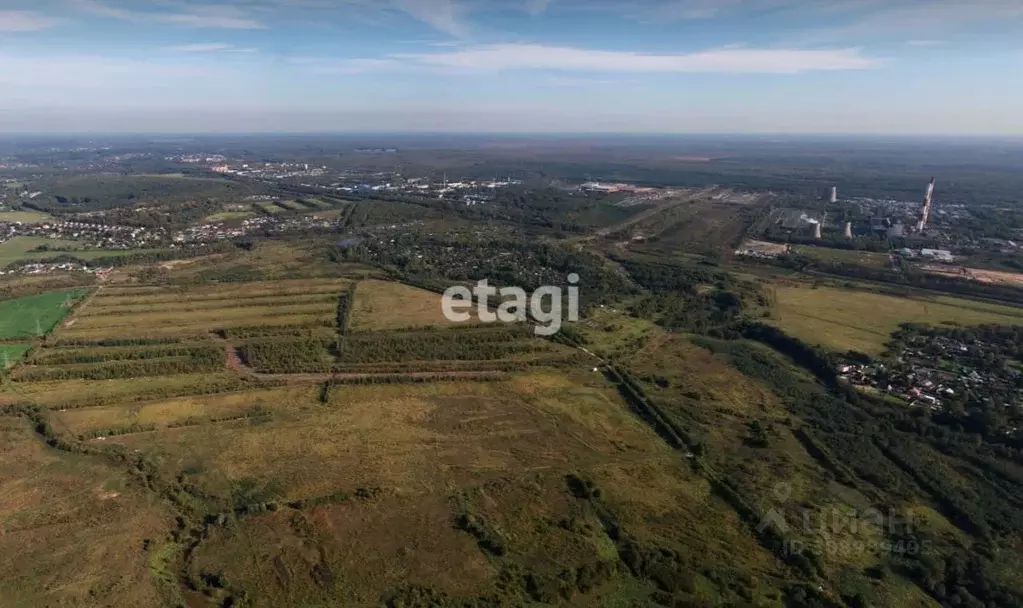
{"x":517,"y":66}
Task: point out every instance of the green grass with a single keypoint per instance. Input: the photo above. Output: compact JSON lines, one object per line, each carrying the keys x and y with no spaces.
{"x":22,"y":248}
{"x":10,"y":354}
{"x":35,"y":315}
{"x":846,"y":319}
{"x":27,"y":217}
{"x":229,"y":215}
{"x":269,"y":207}
{"x":869,"y":259}
{"x":292,"y":205}
{"x":611,"y":333}
{"x":314,"y":203}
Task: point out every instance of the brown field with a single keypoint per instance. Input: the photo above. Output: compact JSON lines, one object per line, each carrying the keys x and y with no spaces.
{"x":386,"y":305}
{"x":220,"y":291}
{"x":187,"y":324}
{"x":109,"y":304}
{"x":71,"y":528}
{"x":498,"y":449}
{"x":162,"y":413}
{"x":71,"y":393}
{"x":1012,"y":279}
{"x":149,"y":311}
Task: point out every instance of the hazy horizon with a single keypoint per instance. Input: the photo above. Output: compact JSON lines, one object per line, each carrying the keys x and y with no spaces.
{"x":903,"y":67}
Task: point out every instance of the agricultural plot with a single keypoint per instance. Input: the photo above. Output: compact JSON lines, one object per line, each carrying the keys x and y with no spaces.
{"x":23,"y":248}
{"x":842,"y":320}
{"x":269,"y":207}
{"x":386,"y":305}
{"x":108,"y":364}
{"x":354,"y":499}
{"x":36,"y":315}
{"x":65,"y":394}
{"x":133,"y":312}
{"x":10,"y":354}
{"x":313,"y":203}
{"x":25,"y":217}
{"x":870,"y":259}
{"x":192,"y":410}
{"x":291,"y":205}
{"x":225,"y":216}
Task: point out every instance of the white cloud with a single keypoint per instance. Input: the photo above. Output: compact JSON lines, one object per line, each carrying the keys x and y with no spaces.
{"x":442,"y":15}
{"x":734,"y":60}
{"x":223,"y":17}
{"x":24,"y":21}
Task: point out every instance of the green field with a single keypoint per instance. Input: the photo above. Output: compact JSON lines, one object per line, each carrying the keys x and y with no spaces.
{"x":120,"y":190}
{"x":27,"y":217}
{"x":268,"y":207}
{"x":12,"y":353}
{"x":35,"y":315}
{"x":849,"y":319}
{"x":870,"y":259}
{"x":22,"y":248}
{"x":292,"y":205}
{"x":229,"y":215}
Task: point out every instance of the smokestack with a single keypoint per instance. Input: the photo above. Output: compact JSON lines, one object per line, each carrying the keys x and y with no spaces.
{"x":834,"y":194}
{"x":848,"y":230}
{"x":817,"y":231}
{"x":925,"y":213}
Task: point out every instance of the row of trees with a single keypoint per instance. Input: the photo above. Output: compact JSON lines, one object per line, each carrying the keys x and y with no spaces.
{"x":72,"y":356}
{"x":471,"y":346}
{"x":165,"y":366}
{"x":876,"y":441}
{"x":283,"y":356}
{"x":295,"y":330}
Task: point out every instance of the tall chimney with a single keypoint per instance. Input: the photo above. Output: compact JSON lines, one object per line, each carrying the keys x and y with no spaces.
{"x":925,"y":213}
{"x":848,"y":230}
{"x":834,"y":194}
{"x":817,"y":231}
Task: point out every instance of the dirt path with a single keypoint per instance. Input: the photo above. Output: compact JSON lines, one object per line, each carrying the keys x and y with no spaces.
{"x":234,"y":360}
{"x":77,"y":308}
{"x":323,"y":377}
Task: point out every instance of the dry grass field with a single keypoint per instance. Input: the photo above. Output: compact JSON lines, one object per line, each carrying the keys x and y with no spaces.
{"x":241,"y":485}
{"x":847,"y":319}
{"x":127,"y":312}
{"x":72,"y":529}
{"x":76,"y":393}
{"x":385,"y":305}
{"x":191,"y":409}
{"x":423,"y":454}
